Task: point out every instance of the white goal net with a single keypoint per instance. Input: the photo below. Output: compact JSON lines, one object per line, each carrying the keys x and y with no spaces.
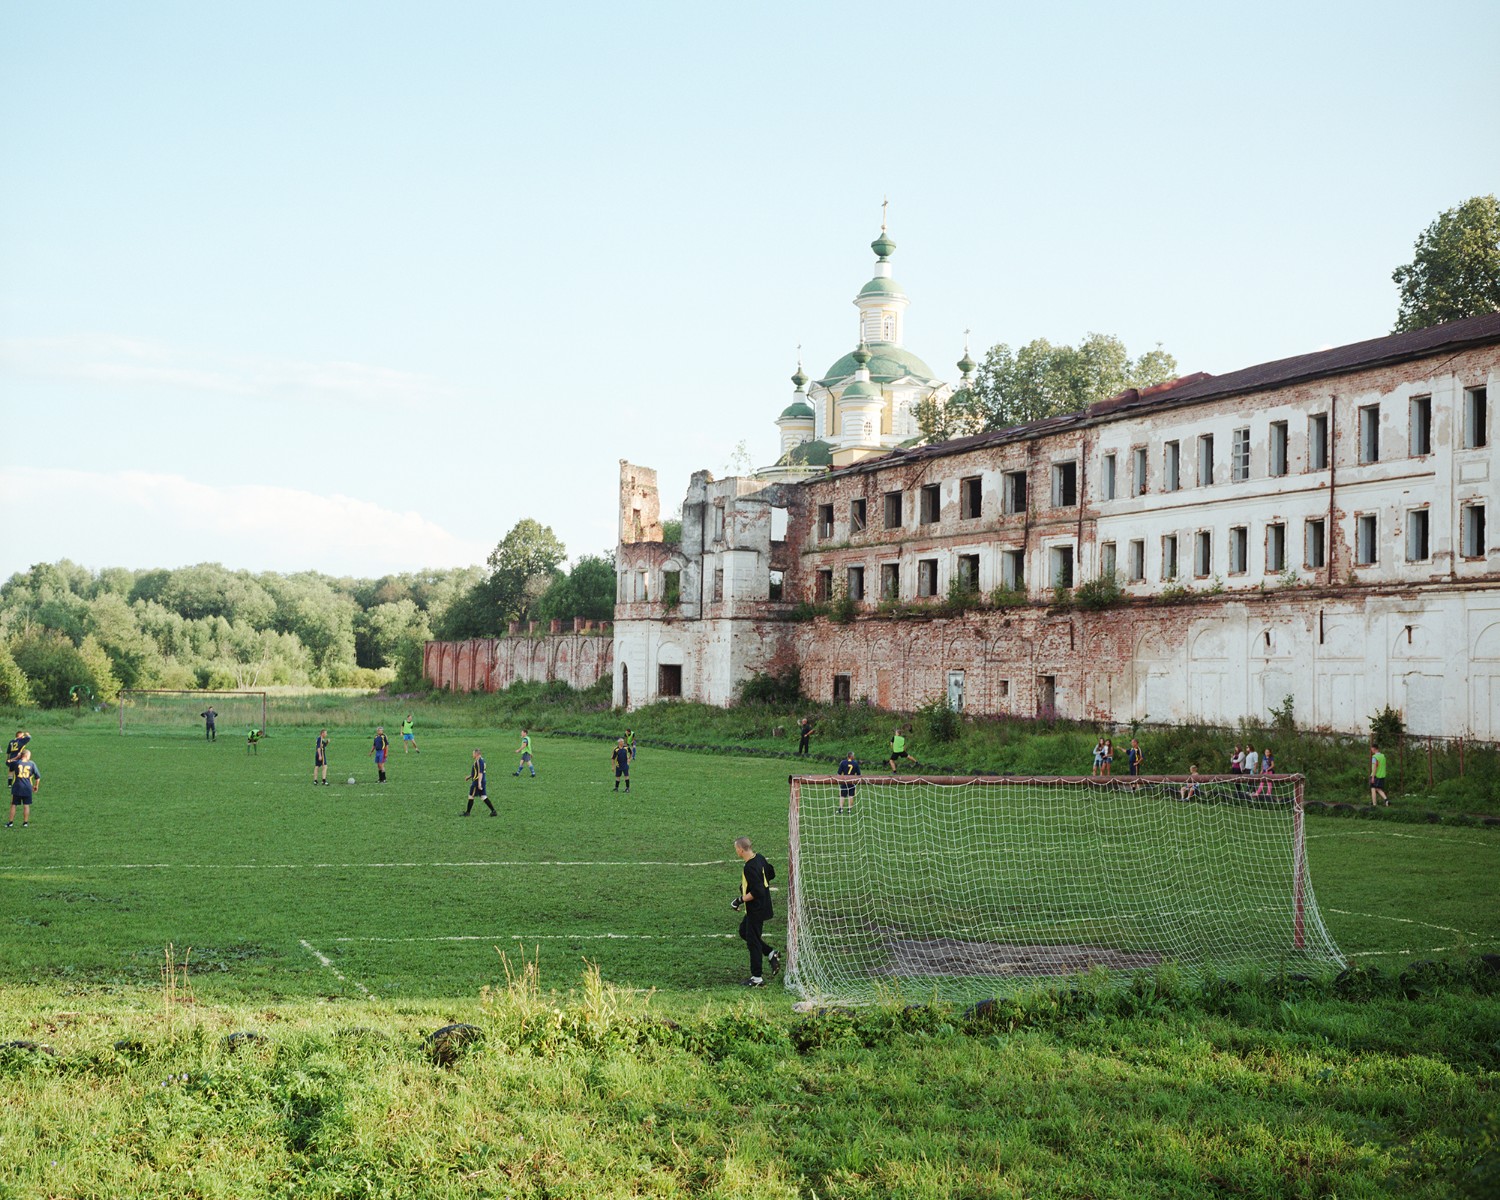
{"x":952,"y":888}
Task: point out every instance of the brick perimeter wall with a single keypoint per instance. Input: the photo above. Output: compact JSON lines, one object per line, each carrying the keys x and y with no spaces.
{"x":492,"y":664}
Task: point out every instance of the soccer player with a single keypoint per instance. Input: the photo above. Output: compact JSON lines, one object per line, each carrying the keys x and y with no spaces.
{"x":621,"y":757}
{"x":755,"y":901}
{"x":630,"y":743}
{"x":848,"y":765}
{"x":252,"y":740}
{"x":13,"y":750}
{"x":477,"y":789}
{"x":1377,"y":777}
{"x":804,"y":735}
{"x":320,"y":757}
{"x":899,"y":751}
{"x":28,"y":780}
{"x":1135,"y":757}
{"x":524,"y":750}
{"x":380,"y":748}
{"x":408,"y":736}
{"x":210,"y":732}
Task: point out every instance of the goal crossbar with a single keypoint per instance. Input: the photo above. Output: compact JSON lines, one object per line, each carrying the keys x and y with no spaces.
{"x":953,"y":885}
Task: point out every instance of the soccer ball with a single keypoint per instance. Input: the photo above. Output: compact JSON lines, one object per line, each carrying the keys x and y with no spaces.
{"x":351,"y":779}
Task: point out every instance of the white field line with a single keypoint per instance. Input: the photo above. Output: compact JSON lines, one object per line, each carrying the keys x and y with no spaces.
{"x":345,"y":866}
{"x":1343,"y":912}
{"x":328,"y":963}
{"x":549,"y":937}
{"x":1487,"y":841}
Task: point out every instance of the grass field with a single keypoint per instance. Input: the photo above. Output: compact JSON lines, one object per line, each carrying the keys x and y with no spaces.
{"x":313,"y":912}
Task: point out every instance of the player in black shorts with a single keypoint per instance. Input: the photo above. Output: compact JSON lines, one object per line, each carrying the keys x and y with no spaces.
{"x":320,"y":757}
{"x":621,"y":756}
{"x":849,"y":765}
{"x":477,"y":789}
{"x":27,"y":780}
{"x":13,"y":750}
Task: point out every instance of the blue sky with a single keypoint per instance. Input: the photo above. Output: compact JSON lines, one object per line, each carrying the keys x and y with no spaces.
{"x":355,"y":287}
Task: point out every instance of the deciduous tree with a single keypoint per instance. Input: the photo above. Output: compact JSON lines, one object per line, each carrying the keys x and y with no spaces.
{"x":1455,"y":272}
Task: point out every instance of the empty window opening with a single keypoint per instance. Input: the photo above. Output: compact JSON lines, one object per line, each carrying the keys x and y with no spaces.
{"x":893,"y":514}
{"x":642,"y":586}
{"x":1064,"y":484}
{"x":1169,"y":556}
{"x":1471,"y":531}
{"x":1137,"y":560}
{"x":931,"y":508}
{"x":856,"y":516}
{"x":927,"y":577}
{"x":1275,"y":549}
{"x":1138,"y":471}
{"x":1002,"y":689}
{"x":671,"y":588}
{"x":1205,"y":460}
{"x":1203,"y":553}
{"x":841,"y":692}
{"x":669,"y":679}
{"x":1107,"y":563}
{"x":1239,"y":550}
{"x":718,"y":584}
{"x":1015,"y":491}
{"x":856,"y":583}
{"x":970,"y":498}
{"x":1239,"y":459}
{"x":890,"y":581}
{"x":778,"y":523}
{"x":823,"y":590}
{"x":1476,"y":417}
{"x":968,"y":572}
{"x":1420,"y":437}
{"x":1369,"y":433}
{"x":1317,"y":442}
{"x":1062,"y":566}
{"x":1416,"y":535}
{"x":1277,"y":455}
{"x":1171,"y":467}
{"x":1366,"y":530}
{"x":825,"y":521}
{"x":1012,"y":570}
{"x":718,"y":522}
{"x":1315,"y":544}
{"x":1107,"y":478}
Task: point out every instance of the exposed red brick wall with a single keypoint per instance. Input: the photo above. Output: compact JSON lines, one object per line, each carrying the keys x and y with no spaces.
{"x":491,"y":664}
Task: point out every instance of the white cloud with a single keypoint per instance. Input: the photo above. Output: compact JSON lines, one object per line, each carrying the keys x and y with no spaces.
{"x":146,"y":519}
{"x":135,"y":362}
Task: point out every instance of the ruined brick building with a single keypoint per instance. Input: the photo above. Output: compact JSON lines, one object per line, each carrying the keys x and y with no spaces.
{"x":1313,"y":528}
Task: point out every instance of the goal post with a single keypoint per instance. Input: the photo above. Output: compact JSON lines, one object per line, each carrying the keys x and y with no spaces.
{"x":175,"y":706}
{"x":955,"y":887}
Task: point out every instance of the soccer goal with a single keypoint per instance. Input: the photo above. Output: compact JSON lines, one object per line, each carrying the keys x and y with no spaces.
{"x":181,"y":711}
{"x":954,"y":887}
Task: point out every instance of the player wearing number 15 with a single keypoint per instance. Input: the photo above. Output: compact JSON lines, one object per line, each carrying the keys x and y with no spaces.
{"x":27,"y":780}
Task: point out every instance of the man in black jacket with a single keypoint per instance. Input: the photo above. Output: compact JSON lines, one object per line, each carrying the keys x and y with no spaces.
{"x":754,"y":901}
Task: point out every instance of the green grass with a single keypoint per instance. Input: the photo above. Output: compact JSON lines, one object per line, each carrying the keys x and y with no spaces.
{"x":654,"y":1074}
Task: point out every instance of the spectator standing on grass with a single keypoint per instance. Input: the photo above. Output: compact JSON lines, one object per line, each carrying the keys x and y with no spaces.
{"x":754,"y":904}
{"x":1134,"y":757}
{"x":848,"y":766}
{"x":380,"y":748}
{"x":28,"y":779}
{"x":1099,"y":757}
{"x":524,"y":750}
{"x":804,"y":734}
{"x":1249,"y":765}
{"x":477,"y":788}
{"x":1267,"y":769}
{"x":1377,"y":777}
{"x":620,"y":756}
{"x":13,"y":750}
{"x":210,"y":733}
{"x":899,"y":750}
{"x":320,"y":757}
{"x":409,"y":736}
{"x":1236,"y":760}
{"x":1109,"y":756}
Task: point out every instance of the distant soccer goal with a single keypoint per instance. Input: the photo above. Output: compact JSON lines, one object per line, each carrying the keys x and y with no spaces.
{"x":956,"y":887}
{"x":181,"y":711}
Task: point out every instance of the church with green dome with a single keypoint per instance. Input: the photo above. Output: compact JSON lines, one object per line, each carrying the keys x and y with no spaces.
{"x":865,"y":404}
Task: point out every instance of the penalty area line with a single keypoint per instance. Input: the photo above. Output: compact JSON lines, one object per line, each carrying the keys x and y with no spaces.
{"x":547,"y":937}
{"x":328,"y":965}
{"x":347,"y":866}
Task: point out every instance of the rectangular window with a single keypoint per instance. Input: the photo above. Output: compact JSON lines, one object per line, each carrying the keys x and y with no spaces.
{"x":1015,"y":491}
{"x":671,"y":588}
{"x":1277,"y":455}
{"x":1137,"y":568}
{"x":642,"y":591}
{"x":669,"y":679}
{"x":1317,"y":442}
{"x":1171,"y":467}
{"x":1203,"y":553}
{"x":968,"y":572}
{"x":1138,"y":471}
{"x":778,"y":586}
{"x":1275,"y":549}
{"x":856,"y":516}
{"x":1476,"y":417}
{"x":1062,"y":566}
{"x":1239,"y":550}
{"x":931,"y":498}
{"x":1012,"y":570}
{"x":825,"y":521}
{"x":1169,"y":556}
{"x":1205,"y":460}
{"x":1369,"y":433}
{"x":1366,"y":550}
{"x":893,"y":515}
{"x":1416,"y":535}
{"x":927,"y":577}
{"x":1419,"y":439}
{"x":718,"y":523}
{"x":824,"y":589}
{"x":841,"y":690}
{"x":1471,"y":531}
{"x":970,"y":498}
{"x":1315,"y":545}
{"x":1064,"y":484}
{"x":1107,"y":478}
{"x":890,"y":581}
{"x":1239,"y":462}
{"x":855,"y":582}
{"x":1107,"y":563}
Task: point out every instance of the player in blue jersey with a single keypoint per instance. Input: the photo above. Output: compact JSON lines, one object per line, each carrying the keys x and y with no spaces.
{"x":477,"y":789}
{"x":380,"y":749}
{"x":13,"y":750}
{"x":27,"y":780}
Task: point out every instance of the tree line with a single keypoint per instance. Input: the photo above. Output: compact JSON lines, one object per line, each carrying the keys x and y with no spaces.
{"x":72,"y":635}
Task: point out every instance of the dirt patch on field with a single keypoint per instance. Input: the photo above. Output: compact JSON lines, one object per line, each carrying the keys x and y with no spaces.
{"x":949,"y":956}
